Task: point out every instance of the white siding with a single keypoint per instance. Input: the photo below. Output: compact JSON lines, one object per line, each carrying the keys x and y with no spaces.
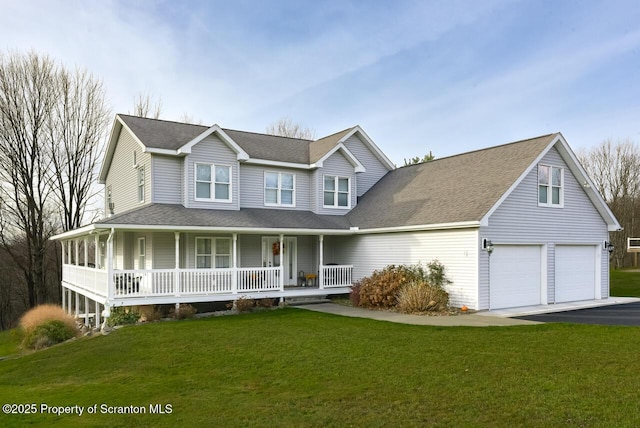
{"x":212,"y":150}
{"x":252,"y":187}
{"x":338,"y":165}
{"x":123,"y":176}
{"x":164,"y":250}
{"x":457,"y":250}
{"x":519,"y":220}
{"x":375,"y":169}
{"x":166,"y":179}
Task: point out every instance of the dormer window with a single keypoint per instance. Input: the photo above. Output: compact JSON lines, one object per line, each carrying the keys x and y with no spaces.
{"x":213,"y":182}
{"x":279,"y":189}
{"x":337,"y":192}
{"x":550,"y":186}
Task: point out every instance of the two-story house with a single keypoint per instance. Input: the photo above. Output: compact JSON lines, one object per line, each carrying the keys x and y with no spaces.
{"x":197,"y":214}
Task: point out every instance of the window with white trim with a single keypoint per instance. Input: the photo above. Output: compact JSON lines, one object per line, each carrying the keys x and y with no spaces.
{"x":142,"y":253}
{"x":279,"y":189}
{"x":550,"y":186}
{"x":213,"y":182}
{"x":141,"y":184}
{"x":337,"y":192}
{"x":213,"y":252}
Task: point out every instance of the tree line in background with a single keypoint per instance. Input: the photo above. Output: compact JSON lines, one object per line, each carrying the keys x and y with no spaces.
{"x":614,"y":168}
{"x":53,"y":124}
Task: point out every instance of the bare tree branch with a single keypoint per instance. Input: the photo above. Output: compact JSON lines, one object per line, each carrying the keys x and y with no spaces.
{"x":286,"y":128}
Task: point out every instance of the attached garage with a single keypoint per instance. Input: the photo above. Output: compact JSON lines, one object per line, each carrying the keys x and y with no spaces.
{"x":575,"y":267}
{"x":515,"y":276}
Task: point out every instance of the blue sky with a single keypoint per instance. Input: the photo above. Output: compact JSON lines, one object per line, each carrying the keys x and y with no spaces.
{"x":418,"y":76}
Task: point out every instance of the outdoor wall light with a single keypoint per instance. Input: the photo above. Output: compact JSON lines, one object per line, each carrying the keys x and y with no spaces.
{"x":608,"y":246}
{"x":487,"y":245}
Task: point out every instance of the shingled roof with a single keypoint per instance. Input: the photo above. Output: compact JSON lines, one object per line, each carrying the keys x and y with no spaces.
{"x":162,"y":134}
{"x":254,"y":218}
{"x":449,"y":190}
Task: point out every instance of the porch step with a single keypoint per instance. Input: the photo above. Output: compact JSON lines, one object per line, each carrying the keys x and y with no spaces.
{"x":295,"y":301}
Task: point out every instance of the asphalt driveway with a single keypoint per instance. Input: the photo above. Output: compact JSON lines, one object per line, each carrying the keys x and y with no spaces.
{"x":627,"y":314}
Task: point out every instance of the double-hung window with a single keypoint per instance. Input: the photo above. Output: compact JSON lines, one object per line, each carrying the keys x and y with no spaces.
{"x":141,"y":184}
{"x":142,"y":253}
{"x":213,"y":252}
{"x":550,"y":186}
{"x":213,"y":182}
{"x":279,"y":189}
{"x":337,"y":192}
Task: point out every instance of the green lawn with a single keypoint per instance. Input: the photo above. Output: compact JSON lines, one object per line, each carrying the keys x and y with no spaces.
{"x":625,"y":283}
{"x":292,"y":367}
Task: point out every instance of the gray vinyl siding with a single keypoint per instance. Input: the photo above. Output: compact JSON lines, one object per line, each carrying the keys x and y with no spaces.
{"x":519,"y":220}
{"x":167,"y":179}
{"x":375,"y":169}
{"x":252,"y":187}
{"x":250,"y":250}
{"x":212,"y":150}
{"x":123,"y":176}
{"x":456,"y":249}
{"x":336,"y":165}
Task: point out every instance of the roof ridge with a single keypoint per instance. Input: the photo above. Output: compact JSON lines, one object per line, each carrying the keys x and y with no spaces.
{"x":267,"y":135}
{"x":162,"y":120}
{"x":481,"y":150}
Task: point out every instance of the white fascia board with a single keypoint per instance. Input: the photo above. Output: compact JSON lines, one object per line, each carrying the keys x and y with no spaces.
{"x":116,"y":130}
{"x":358,"y":167}
{"x":421,"y":227}
{"x":281,"y":164}
{"x":485,"y":220}
{"x":588,"y":185}
{"x":251,"y":230}
{"x":161,"y":151}
{"x":241,"y":154}
{"x":85,"y":230}
{"x":369,"y":142}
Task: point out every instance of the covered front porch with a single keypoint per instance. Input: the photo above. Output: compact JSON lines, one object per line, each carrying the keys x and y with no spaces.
{"x":125,"y":267}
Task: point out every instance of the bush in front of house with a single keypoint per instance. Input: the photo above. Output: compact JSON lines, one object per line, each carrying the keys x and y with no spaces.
{"x":123,"y":315}
{"x":184,"y":311}
{"x":408,"y":288}
{"x":420,"y":297}
{"x":46,"y":325}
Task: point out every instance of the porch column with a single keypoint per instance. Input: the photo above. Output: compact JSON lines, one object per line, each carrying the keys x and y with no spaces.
{"x":234,"y":264}
{"x":281,"y":262}
{"x":96,"y":251}
{"x":86,"y":310}
{"x":77,"y":251}
{"x":64,"y":298}
{"x":97,"y":315}
{"x":110,"y":267}
{"x":321,"y":259}
{"x":69,"y":250}
{"x":176,"y":277}
{"x":69,"y":301}
{"x":86,"y":251}
{"x":77,"y":309}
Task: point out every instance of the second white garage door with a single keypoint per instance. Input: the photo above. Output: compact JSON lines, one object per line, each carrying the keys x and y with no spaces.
{"x":575,"y":273}
{"x":516,"y":278}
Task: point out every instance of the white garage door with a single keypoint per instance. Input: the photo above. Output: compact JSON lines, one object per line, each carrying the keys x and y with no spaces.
{"x":515,"y":276}
{"x":575,"y":273}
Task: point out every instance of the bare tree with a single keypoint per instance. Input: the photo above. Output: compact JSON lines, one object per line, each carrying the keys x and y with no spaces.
{"x":615,"y":170}
{"x":286,"y":128}
{"x":144,"y":106}
{"x":187,"y":118}
{"x":51,"y":124}
{"x":27,"y":99}
{"x":77,"y":127}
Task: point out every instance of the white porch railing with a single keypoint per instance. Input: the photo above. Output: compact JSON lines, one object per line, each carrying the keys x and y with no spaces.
{"x":184,"y":282}
{"x":336,"y":276}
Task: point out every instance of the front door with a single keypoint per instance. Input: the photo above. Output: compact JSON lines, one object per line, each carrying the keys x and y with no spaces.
{"x":273,"y":255}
